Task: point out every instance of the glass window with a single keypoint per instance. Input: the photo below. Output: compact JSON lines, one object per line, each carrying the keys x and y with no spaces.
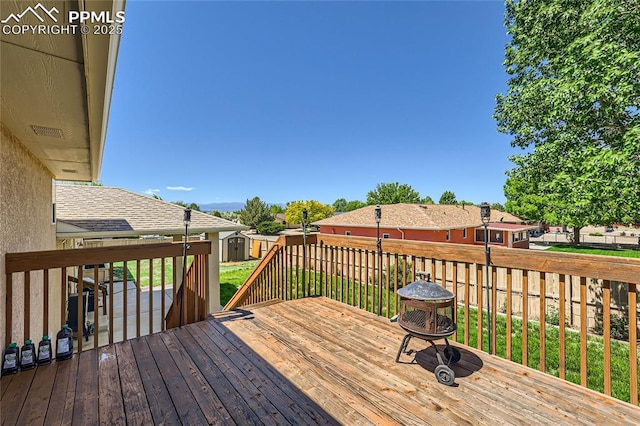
{"x":448,"y":235}
{"x":347,"y":232}
{"x":385,"y":235}
{"x":464,"y":233}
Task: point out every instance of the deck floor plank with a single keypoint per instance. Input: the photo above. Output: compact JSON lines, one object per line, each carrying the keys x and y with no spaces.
{"x":306,"y":361}
{"x":86,"y":409}
{"x":160,"y":403}
{"x":134,"y":400}
{"x":16,"y":395}
{"x":111,"y":405}
{"x":373,"y":346}
{"x":4,"y":383}
{"x":308,"y":405}
{"x":274,"y":390}
{"x":224,"y":389}
{"x":35,"y":407}
{"x":175,"y":383}
{"x":347,"y":365}
{"x":212,"y":408}
{"x":253,"y":396}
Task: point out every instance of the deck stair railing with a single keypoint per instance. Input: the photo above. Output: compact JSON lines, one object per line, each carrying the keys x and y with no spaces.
{"x":45,"y":278}
{"x":560,"y":294}
{"x":191,"y":297}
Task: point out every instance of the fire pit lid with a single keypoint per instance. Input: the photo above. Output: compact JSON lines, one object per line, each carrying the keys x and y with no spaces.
{"x":425,"y":290}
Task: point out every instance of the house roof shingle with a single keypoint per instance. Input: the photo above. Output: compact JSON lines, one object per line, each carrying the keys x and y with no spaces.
{"x":417,"y":216}
{"x":105,"y":211}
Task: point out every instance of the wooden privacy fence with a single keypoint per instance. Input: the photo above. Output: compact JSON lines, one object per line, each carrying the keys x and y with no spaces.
{"x":37,"y":289}
{"x":530,"y":286}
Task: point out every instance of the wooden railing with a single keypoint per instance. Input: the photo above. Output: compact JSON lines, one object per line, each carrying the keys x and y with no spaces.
{"x":554,"y":301}
{"x":43,"y":278}
{"x":190,"y":300}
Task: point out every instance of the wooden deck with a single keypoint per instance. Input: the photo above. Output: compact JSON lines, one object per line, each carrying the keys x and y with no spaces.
{"x":308,"y":361}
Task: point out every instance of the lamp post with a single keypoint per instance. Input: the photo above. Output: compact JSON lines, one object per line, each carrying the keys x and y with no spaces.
{"x":304,"y":250}
{"x":485,"y":216}
{"x":378,"y":216}
{"x":185,"y":246}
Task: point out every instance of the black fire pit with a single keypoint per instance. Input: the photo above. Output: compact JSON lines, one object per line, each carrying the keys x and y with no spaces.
{"x":428,"y":312}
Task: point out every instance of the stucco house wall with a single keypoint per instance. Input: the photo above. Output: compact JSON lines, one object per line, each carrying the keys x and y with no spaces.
{"x":26,"y":224}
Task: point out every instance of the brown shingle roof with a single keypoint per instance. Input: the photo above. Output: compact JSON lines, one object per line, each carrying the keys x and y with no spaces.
{"x":106,"y":211}
{"x":417,"y":216}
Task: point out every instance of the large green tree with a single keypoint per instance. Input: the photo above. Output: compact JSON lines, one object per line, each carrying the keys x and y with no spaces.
{"x":255,"y":211}
{"x":392,"y":193}
{"x":354,"y":205}
{"x":573,"y":106}
{"x":315,"y":211}
{"x":340,"y":204}
{"x":447,"y":197}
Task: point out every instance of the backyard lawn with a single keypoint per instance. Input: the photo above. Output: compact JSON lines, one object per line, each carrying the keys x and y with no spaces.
{"x":592,"y":250}
{"x":232,"y":275}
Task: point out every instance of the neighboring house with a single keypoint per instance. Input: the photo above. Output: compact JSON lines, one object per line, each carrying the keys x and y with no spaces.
{"x":433,"y":222}
{"x":234,"y":246}
{"x":90,"y":212}
{"x":56,"y":92}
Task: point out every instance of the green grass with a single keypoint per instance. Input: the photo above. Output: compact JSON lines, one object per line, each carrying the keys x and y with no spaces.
{"x":232,"y":275}
{"x":601,"y":251}
{"x":118,"y":271}
{"x":595,"y":352}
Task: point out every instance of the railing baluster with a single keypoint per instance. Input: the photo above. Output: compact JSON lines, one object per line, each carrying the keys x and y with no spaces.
{"x":45,"y":301}
{"x":494,"y":308}
{"x":163,"y":289}
{"x":542,"y":301}
{"x":480,"y":304}
{"x":96,"y":310}
{"x":111,"y":291}
{"x":633,"y":342}
{"x":454,"y":284}
{"x":8,"y":331}
{"x":80,"y":306}
{"x":583,"y":331}
{"x":388,"y":284}
{"x":525,"y":317}
{"x":64,"y":296}
{"x":508,"y":313}
{"x":467,"y":296}
{"x":150,"y":296}
{"x":27,"y":306}
{"x":606,"y":335}
{"x":125,"y":292}
{"x":138,"y":297}
{"x":561,"y":325}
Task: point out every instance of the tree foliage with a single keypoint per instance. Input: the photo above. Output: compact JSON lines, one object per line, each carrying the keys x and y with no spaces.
{"x":447,"y":197}
{"x":497,"y":206}
{"x":315,"y":211}
{"x":427,"y":200}
{"x":255,"y":211}
{"x":392,"y":193}
{"x":354,"y":205}
{"x":192,"y":206}
{"x":269,"y":228}
{"x":340,"y":204}
{"x":573,"y":105}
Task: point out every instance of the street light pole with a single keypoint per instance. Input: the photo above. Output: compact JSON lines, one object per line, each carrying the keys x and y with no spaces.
{"x":378,"y":211}
{"x":185,"y":246}
{"x":485,"y":216}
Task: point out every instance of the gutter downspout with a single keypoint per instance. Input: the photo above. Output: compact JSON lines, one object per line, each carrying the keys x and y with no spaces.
{"x":401,"y":231}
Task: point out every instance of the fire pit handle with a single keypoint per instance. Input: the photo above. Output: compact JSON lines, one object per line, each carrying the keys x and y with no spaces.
{"x":424,"y":274}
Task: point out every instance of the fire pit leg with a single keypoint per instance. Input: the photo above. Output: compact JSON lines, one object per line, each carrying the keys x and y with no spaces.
{"x":405,"y":342}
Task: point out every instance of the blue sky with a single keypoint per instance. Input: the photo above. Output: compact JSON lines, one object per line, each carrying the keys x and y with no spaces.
{"x":224,"y":101}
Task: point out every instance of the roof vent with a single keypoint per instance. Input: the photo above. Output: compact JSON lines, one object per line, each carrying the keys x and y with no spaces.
{"x":49,"y":132}
{"x":69,"y":171}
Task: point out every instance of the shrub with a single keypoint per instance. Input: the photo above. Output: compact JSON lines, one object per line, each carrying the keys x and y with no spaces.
{"x":596,"y":234}
{"x":622,"y":234}
{"x":269,"y":228}
{"x":619,"y":327}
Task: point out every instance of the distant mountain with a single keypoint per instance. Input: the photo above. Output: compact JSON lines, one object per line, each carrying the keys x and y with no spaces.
{"x":221,"y":207}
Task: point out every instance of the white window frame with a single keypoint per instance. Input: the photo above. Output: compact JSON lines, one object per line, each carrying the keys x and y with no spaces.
{"x":385,"y":235}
